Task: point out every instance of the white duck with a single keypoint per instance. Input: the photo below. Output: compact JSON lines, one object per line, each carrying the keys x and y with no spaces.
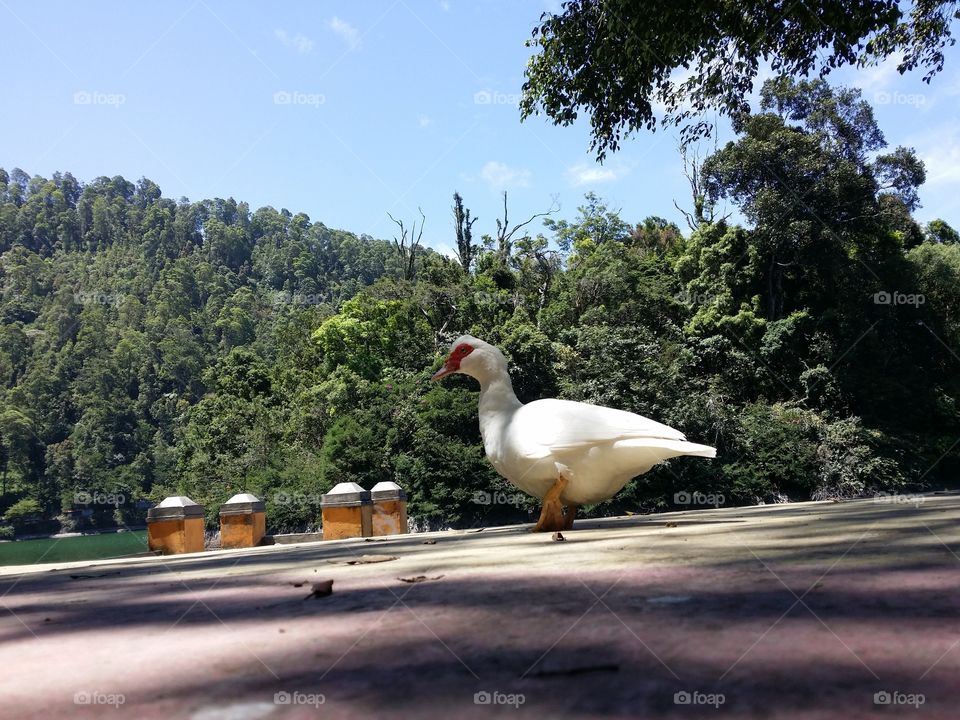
{"x":567,"y":453}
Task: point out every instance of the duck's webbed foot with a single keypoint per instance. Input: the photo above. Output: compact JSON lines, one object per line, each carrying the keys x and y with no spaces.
{"x":551,"y":516}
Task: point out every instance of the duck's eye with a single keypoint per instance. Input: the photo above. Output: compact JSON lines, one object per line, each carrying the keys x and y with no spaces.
{"x":464,"y":351}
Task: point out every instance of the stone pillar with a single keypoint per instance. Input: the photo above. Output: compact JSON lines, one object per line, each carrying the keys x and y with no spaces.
{"x":389,"y":509}
{"x":175,"y":526}
{"x":346,"y":511}
{"x":242,"y":522}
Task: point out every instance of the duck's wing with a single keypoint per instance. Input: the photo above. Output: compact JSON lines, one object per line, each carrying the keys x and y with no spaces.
{"x":549,"y":426}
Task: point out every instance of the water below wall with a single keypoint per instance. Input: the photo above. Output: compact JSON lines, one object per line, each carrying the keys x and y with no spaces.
{"x":70,"y":549}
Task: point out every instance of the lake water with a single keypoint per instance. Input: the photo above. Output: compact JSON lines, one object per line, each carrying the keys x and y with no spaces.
{"x":69,"y":549}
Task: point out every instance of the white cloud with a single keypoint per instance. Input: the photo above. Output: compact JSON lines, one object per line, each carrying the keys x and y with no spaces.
{"x":447,"y":249}
{"x":349,"y":34}
{"x":424,"y":120}
{"x":940,"y":152}
{"x":301,"y":43}
{"x":501,"y":176}
{"x":589,"y":174}
{"x":877,"y":77}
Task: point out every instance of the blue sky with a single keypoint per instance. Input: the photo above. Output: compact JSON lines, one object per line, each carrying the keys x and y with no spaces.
{"x":350,"y":110}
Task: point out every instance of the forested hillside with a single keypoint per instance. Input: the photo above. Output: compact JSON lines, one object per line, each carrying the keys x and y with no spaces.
{"x":151,"y":347}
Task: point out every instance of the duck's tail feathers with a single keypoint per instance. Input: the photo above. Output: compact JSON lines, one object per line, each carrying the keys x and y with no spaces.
{"x":672,"y":447}
{"x":698,"y":450}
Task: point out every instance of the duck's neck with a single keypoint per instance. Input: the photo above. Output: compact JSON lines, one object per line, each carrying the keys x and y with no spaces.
{"x":497,"y":396}
{"x":498,"y":403}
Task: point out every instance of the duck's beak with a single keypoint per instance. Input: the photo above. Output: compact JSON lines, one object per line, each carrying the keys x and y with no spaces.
{"x":447,"y":369}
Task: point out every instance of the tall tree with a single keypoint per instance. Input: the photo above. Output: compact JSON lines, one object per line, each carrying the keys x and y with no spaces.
{"x":16,"y":437}
{"x":463,"y":225}
{"x":806,"y":173}
{"x":940,"y":231}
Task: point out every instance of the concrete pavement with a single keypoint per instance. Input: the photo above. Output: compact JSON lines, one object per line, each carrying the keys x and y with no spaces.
{"x":808,"y":610}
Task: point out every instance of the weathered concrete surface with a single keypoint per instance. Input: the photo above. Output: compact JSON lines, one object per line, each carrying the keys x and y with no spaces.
{"x":791,"y":611}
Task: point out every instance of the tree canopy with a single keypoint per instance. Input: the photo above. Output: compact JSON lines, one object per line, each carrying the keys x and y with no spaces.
{"x":632,"y":65}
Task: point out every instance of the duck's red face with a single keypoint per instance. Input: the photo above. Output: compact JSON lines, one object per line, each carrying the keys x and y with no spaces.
{"x":452,"y":364}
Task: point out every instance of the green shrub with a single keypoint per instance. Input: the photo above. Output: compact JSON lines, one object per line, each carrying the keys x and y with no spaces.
{"x":22,"y":511}
{"x":847,"y":464}
{"x":775,"y":454}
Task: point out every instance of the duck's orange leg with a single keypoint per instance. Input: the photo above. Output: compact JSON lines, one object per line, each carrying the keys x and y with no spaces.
{"x":551,"y":517}
{"x":569,"y":517}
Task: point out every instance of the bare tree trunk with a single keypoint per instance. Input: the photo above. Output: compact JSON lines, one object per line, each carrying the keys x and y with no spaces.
{"x":407,"y":247}
{"x":703,"y":211}
{"x":505,"y":233}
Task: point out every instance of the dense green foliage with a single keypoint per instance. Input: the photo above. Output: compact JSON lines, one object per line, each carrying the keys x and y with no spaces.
{"x":625,"y":63}
{"x":150,"y":347}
